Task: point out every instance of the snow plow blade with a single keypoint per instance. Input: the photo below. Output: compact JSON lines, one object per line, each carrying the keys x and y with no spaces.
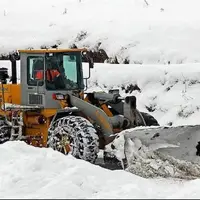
{"x":159,"y":151}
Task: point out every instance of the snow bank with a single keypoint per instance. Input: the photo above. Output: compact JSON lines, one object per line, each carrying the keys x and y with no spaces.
{"x":29,"y":172}
{"x":168,"y":92}
{"x":160,"y":32}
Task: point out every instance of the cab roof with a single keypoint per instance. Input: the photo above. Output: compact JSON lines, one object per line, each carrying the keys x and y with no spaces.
{"x":50,"y":50}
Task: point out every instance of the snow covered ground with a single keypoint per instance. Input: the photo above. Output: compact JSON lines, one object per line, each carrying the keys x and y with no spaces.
{"x":160,"y":32}
{"x":28,"y":172}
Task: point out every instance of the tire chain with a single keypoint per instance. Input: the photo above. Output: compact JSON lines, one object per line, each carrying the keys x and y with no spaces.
{"x":80,"y":132}
{"x":4,"y":132}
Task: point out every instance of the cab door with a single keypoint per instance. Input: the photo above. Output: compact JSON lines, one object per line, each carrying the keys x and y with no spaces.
{"x":33,"y":86}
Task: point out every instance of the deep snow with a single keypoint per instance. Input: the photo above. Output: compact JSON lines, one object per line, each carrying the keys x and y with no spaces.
{"x":161,"y":32}
{"x":29,"y":172}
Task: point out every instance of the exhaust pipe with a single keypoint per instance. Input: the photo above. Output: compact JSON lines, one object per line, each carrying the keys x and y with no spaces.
{"x":14,"y":71}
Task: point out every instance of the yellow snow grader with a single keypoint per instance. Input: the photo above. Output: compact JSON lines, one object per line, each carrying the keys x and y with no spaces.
{"x":49,"y":107}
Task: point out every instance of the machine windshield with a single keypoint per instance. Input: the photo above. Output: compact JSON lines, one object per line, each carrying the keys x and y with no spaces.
{"x":62,"y":71}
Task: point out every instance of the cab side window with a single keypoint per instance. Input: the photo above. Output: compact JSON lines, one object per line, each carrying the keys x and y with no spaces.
{"x":35,"y":70}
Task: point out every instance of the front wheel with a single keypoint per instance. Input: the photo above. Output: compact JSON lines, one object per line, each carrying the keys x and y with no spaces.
{"x":74,"y":135}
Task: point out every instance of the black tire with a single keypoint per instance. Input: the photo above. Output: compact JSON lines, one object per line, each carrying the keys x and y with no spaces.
{"x":139,"y":121}
{"x":5,"y":131}
{"x":149,"y":119}
{"x":82,"y":135}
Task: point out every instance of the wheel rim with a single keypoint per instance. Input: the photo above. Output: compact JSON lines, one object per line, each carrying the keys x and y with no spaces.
{"x":64,"y":145}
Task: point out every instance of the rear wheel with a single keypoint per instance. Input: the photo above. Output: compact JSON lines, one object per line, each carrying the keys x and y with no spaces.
{"x":145,"y":119}
{"x":149,"y":119}
{"x":139,"y":119}
{"x":74,"y":135}
{"x":5,"y":131}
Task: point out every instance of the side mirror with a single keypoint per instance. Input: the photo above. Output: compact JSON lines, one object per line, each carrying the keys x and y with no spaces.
{"x":85,"y":84}
{"x":90,"y":66}
{"x":86,"y":75}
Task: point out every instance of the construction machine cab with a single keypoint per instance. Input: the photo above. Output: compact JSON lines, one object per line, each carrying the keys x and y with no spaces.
{"x":44,"y":72}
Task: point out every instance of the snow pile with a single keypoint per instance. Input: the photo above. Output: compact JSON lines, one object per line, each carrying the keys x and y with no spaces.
{"x":160,"y":32}
{"x":168,"y":92}
{"x":29,"y":172}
